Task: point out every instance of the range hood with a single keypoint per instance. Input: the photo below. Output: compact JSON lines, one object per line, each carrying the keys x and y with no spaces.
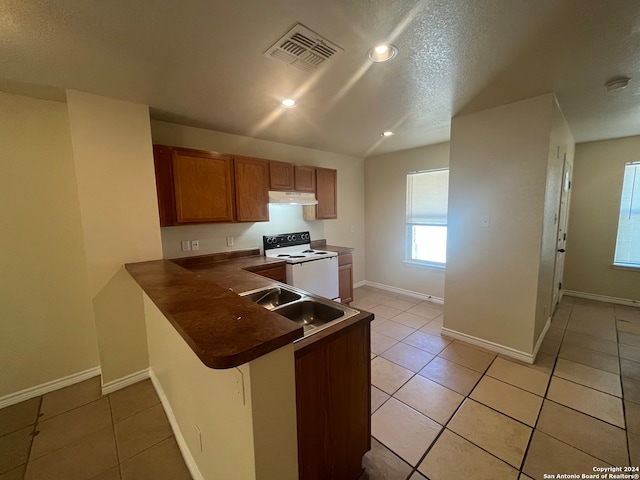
{"x":293,"y":198}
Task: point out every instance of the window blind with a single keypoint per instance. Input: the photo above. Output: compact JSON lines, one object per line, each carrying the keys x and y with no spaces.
{"x":628,"y":239}
{"x":427,"y":197}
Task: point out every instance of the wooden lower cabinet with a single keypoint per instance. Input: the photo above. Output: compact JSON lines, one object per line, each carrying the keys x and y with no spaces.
{"x":278,"y":273}
{"x":333,"y":397}
{"x":345,"y":277}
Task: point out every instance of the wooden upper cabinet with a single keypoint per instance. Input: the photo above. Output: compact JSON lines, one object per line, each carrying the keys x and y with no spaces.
{"x":193,"y":186}
{"x":305,"y":179}
{"x":252,"y":183}
{"x":326,"y":193}
{"x":281,"y":176}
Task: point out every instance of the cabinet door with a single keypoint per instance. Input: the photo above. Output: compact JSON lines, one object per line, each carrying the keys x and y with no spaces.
{"x":326,"y":193}
{"x":164,"y":185}
{"x":333,"y":399}
{"x":305,"y":179}
{"x":345,"y":277}
{"x":252,"y":196}
{"x":203,"y":186}
{"x":281,"y":176}
{"x":276,"y":273}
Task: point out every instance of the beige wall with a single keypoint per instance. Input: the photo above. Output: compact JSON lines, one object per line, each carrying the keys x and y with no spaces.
{"x":246,"y":415}
{"x":385,"y":200}
{"x":116,"y":184}
{"x":347,"y":230}
{"x":593,"y":220}
{"x":46,"y":321}
{"x":498,"y":167}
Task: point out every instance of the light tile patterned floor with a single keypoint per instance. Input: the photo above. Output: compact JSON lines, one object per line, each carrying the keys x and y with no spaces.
{"x":76,"y":433}
{"x":443,"y":409}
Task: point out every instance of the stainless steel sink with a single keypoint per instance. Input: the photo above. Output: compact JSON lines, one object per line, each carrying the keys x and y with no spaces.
{"x":272,"y":297}
{"x":313,"y":313}
{"x":310,"y":314}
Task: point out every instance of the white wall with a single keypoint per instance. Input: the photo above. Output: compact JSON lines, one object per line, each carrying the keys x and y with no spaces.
{"x":498,"y":167}
{"x":116,"y":185}
{"x":593,"y":221}
{"x":246,"y":415}
{"x":347,"y":230}
{"x":47,"y":329}
{"x":385,"y":201}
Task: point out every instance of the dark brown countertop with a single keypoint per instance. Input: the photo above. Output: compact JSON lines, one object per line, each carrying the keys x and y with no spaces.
{"x":322,"y":244}
{"x":223,"y":329}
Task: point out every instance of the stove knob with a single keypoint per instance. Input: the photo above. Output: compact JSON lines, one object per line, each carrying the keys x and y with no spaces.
{"x":290,"y":237}
{"x":305,"y":236}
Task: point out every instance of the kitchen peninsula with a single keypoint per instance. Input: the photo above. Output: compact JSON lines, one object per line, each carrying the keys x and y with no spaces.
{"x":229,"y":373}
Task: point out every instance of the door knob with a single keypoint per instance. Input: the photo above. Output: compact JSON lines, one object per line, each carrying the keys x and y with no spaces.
{"x":561,"y":250}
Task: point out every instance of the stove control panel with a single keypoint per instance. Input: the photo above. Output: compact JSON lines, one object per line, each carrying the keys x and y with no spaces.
{"x":270,"y":242}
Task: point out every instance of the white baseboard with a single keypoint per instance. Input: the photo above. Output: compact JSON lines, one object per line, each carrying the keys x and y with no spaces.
{"x":541,"y":338}
{"x":359,"y":284}
{"x":603,"y":298}
{"x":409,"y":293}
{"x":487,"y":345}
{"x":47,"y":387}
{"x":125,"y":381}
{"x":182,"y":444}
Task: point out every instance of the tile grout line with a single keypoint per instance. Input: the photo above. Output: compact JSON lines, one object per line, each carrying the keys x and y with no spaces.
{"x":624,"y":409}
{"x":33,"y":434}
{"x":578,"y":411}
{"x":544,"y":397}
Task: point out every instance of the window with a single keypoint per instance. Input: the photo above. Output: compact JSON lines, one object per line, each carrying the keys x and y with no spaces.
{"x":628,"y":240}
{"x":427,"y":196}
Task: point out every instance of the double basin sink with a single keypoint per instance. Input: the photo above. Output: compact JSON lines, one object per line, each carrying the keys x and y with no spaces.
{"x":313,"y":313}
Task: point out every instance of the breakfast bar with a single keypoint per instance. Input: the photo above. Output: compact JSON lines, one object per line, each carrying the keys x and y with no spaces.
{"x":253,"y":371}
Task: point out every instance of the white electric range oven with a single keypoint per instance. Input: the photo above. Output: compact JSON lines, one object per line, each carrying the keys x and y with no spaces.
{"x":315,"y":271}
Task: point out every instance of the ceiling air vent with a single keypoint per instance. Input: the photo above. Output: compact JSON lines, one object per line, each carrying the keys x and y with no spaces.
{"x":303,"y":49}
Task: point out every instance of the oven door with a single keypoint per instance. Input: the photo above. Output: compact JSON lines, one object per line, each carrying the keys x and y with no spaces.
{"x":319,"y":277}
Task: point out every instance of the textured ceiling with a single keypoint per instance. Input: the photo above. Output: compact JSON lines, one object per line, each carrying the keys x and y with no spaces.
{"x":201,"y":63}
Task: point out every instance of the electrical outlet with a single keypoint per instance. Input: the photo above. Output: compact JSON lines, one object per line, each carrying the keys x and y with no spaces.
{"x":485,"y":220}
{"x":229,"y":241}
{"x":185,"y":245}
{"x":195,"y":244}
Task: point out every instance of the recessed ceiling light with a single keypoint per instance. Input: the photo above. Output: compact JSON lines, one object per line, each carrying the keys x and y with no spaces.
{"x":288,"y":103}
{"x":617,"y":83}
{"x":382,"y":52}
{"x":386,"y":134}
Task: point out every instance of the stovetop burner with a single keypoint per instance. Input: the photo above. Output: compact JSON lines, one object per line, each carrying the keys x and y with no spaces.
{"x":293,"y":247}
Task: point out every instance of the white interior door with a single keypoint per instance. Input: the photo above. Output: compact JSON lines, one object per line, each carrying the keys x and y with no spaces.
{"x":563,"y":217}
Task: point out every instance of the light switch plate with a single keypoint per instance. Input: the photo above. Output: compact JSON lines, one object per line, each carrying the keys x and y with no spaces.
{"x":185,"y":245}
